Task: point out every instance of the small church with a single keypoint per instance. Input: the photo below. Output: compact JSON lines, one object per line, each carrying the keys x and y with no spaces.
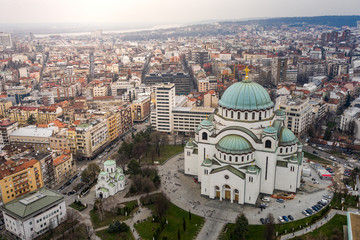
{"x":110,"y":181}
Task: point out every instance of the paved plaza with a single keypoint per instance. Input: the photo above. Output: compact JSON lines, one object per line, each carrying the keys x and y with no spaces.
{"x":184,"y":192}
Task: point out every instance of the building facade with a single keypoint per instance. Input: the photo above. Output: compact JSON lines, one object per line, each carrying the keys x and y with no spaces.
{"x":34,"y":214}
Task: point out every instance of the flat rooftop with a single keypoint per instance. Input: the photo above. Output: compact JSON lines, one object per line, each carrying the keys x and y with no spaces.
{"x":33,"y":131}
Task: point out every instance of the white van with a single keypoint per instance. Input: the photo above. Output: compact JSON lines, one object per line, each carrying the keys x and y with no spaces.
{"x":265,"y":199}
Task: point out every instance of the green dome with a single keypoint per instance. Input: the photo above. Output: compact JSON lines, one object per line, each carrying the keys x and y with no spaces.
{"x":280,"y":112}
{"x":206,"y":122}
{"x":109,"y":162}
{"x":287,"y":137}
{"x":246,"y":95}
{"x":234,"y":144}
{"x":103,"y":173}
{"x":207,"y":162}
{"x":270,"y":130}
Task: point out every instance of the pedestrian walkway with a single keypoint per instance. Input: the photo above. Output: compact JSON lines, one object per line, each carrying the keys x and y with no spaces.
{"x":316,"y":225}
{"x":211,"y":229}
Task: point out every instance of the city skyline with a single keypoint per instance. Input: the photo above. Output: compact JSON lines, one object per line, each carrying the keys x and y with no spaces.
{"x":165,"y":12}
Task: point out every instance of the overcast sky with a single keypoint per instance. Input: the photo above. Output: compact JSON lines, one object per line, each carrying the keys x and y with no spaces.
{"x":165,"y":11}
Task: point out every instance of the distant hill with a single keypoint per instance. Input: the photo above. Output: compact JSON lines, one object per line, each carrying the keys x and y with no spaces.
{"x":334,"y":21}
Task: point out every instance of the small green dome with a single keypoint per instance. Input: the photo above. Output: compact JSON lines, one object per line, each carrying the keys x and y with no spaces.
{"x":246,"y":95}
{"x":280,"y":112}
{"x":206,"y":122}
{"x":287,"y":137}
{"x":121,"y":177}
{"x":234,"y":144}
{"x":207,"y":162}
{"x":103,"y":173}
{"x":270,"y":130}
{"x":109,"y":162}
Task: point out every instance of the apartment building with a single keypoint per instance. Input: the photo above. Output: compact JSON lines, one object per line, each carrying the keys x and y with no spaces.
{"x":22,"y":114}
{"x":31,"y":135}
{"x":6,"y":128}
{"x":186,"y":119}
{"x":100,"y":91}
{"x":141,"y":108}
{"x":298,"y":114}
{"x":88,"y":139}
{"x":19,"y":177}
{"x":4,"y":106}
{"x":34,"y":214}
{"x":161,"y":117}
{"x":64,"y":166}
{"x":209,"y":83}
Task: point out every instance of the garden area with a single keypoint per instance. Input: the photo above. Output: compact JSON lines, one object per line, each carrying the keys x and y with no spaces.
{"x":116,"y":231}
{"x":105,"y":212}
{"x":77,"y":205}
{"x":315,"y":158}
{"x":168,"y":221}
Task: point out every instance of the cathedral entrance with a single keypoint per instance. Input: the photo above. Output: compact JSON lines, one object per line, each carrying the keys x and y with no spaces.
{"x":227,"y":190}
{"x":236,"y":194}
{"x":217,"y":191}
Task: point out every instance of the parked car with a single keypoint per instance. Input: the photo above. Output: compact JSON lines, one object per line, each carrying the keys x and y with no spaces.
{"x":280,"y":200}
{"x":285,"y":218}
{"x":265,"y":199}
{"x":262,"y":221}
{"x":291,"y":218}
{"x":281,"y":219}
{"x":305,"y":213}
{"x":263,"y":205}
{"x":267,"y":220}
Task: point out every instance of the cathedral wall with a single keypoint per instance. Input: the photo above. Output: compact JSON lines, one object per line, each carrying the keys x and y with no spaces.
{"x":286,"y":180}
{"x":252,"y":188}
{"x":190,"y":162}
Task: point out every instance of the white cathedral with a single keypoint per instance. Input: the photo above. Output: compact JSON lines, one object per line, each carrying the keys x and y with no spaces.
{"x":243,"y":149}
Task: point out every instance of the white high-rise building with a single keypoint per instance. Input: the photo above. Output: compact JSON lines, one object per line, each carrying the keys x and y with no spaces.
{"x":161,"y":116}
{"x":5,"y":40}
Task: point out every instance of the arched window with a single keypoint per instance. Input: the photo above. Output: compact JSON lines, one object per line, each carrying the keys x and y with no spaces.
{"x":232,"y":114}
{"x":247,"y":158}
{"x":267,"y":144}
{"x":224,"y":157}
{"x":242,"y":159}
{"x":246,"y":116}
{"x":226,"y":113}
{"x":286,"y":150}
{"x":236,"y":159}
{"x":259,"y":115}
{"x":280,"y":150}
{"x":265,"y":114}
{"x":204,"y":136}
{"x":230,"y":158}
{"x":253,"y":116}
{"x":238,"y":115}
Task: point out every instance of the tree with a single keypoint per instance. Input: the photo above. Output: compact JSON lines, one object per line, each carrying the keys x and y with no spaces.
{"x":270,"y":228}
{"x":89,"y":174}
{"x":162,"y":204}
{"x":134,"y":168}
{"x":121,"y":159}
{"x":347,"y":101}
{"x":184,"y":224}
{"x":241,"y":227}
{"x":31,"y":120}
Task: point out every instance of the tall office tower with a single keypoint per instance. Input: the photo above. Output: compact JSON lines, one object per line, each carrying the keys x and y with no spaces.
{"x":278,"y":70}
{"x":5,"y":40}
{"x":161,"y":116}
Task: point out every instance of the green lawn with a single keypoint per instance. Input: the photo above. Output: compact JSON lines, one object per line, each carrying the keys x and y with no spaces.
{"x":175,"y":216}
{"x":107,"y":219}
{"x":77,"y":206}
{"x":327,"y":229}
{"x":255,"y":232}
{"x":316,"y":158}
{"x":350,"y":201}
{"x":104,"y":235}
{"x":165,"y":153}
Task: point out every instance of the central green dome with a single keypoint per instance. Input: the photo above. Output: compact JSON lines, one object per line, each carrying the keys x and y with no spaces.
{"x":234,"y":144}
{"x":287,"y":137}
{"x":246,"y":95}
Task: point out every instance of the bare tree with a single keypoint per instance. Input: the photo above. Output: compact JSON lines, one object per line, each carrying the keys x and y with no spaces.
{"x":270,"y":227}
{"x":162,"y":203}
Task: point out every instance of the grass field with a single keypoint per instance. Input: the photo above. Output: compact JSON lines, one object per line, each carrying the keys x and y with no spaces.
{"x":77,"y":206}
{"x":328,"y":229}
{"x":174,"y":216}
{"x":104,"y":235}
{"x":165,"y":153}
{"x":255,"y":232}
{"x":316,"y":158}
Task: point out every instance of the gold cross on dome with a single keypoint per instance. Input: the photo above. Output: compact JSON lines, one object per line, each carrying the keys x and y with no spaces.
{"x":247,"y":70}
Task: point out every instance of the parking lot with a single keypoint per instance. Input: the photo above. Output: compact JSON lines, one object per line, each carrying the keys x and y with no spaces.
{"x":185,"y":193}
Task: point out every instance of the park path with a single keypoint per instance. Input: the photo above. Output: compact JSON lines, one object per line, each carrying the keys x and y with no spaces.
{"x":211,"y":229}
{"x":316,"y":225}
{"x":140,"y":215}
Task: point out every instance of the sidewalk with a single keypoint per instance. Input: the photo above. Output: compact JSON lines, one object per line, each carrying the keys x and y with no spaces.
{"x":316,"y":225}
